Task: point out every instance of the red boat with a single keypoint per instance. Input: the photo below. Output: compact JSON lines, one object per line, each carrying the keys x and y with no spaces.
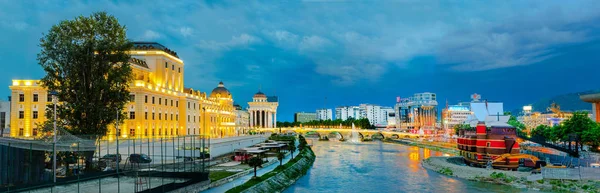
{"x":491,"y":144}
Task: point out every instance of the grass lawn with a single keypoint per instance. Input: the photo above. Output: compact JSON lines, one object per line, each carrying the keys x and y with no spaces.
{"x":217,"y":175}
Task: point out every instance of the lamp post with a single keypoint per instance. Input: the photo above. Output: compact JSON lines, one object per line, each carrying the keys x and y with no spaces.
{"x":117,"y":134}
{"x":54,"y":100}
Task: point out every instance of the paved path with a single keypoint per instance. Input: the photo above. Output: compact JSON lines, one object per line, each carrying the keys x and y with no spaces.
{"x":243,"y":179}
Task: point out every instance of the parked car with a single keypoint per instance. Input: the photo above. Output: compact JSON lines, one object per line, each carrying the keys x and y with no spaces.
{"x":111,"y":157}
{"x":139,"y":158}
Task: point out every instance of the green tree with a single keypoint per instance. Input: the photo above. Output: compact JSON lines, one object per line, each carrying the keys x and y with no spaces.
{"x":578,"y":124}
{"x":255,"y":162}
{"x":543,"y":131}
{"x":592,"y":137}
{"x":280,"y":157}
{"x":292,"y":148}
{"x":86,"y":63}
{"x":515,"y":123}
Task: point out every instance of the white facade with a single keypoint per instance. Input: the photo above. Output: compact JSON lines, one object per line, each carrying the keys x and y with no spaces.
{"x":341,"y":113}
{"x":483,"y":109}
{"x":384,"y":117}
{"x":457,"y":114}
{"x":324,"y":114}
{"x":376,"y":114}
{"x":263,"y":111}
{"x":347,"y":112}
{"x":242,"y":122}
{"x":4,"y":117}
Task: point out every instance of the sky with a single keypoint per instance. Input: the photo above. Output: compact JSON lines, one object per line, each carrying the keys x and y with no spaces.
{"x":315,"y":54}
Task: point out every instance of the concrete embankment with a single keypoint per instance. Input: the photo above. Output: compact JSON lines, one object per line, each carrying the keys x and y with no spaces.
{"x":453,"y":166}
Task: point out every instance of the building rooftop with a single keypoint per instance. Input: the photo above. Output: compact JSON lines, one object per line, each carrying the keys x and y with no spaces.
{"x":153,"y":46}
{"x":138,"y":62}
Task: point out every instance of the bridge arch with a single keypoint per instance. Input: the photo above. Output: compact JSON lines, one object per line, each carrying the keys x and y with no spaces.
{"x":378,"y":135}
{"x":336,"y":134}
{"x":312,"y":134}
{"x":395,"y":136}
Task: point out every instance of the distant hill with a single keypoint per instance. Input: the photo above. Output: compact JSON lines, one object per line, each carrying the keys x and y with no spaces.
{"x":567,"y":102}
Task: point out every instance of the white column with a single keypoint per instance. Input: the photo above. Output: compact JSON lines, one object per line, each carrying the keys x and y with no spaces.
{"x":252,"y":118}
{"x":270,"y":119}
{"x":275,"y":119}
{"x":259,"y":119}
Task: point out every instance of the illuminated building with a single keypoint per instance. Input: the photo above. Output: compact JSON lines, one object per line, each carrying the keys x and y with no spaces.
{"x":242,"y":120}
{"x":263,"y":111}
{"x":456,"y":115}
{"x":416,"y":112}
{"x":160,"y":105}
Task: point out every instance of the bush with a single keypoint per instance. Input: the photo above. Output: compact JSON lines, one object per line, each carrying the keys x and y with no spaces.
{"x":303,"y":153}
{"x":446,"y":171}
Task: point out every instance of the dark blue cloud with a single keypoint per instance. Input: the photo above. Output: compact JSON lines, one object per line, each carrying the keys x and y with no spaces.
{"x":347,"y":52}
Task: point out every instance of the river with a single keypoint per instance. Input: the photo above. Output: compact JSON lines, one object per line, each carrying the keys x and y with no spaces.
{"x":380,"y":167}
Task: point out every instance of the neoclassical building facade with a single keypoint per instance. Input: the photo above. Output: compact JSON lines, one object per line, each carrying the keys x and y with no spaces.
{"x":263,"y":111}
{"x":160,"y":105}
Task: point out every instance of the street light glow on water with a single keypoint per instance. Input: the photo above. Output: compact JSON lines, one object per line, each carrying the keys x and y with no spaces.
{"x":380,"y":167}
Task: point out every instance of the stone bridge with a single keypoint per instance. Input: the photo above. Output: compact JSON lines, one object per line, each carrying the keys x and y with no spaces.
{"x":341,"y":133}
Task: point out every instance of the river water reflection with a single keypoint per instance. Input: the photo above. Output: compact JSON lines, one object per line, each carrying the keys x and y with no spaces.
{"x":380,"y":167}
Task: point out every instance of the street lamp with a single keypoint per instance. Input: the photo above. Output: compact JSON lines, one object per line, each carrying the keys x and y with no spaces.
{"x":117,"y":134}
{"x":54,"y":100}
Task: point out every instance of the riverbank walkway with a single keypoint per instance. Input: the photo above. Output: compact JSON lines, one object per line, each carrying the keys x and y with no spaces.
{"x":244,"y":179}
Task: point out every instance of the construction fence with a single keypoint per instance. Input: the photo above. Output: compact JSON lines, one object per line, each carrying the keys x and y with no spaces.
{"x":102,"y":164}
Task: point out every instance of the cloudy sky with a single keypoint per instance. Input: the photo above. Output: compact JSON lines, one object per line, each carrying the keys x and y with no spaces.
{"x":349,"y":52}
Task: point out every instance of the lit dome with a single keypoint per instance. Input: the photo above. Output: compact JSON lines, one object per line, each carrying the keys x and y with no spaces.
{"x":260,"y":95}
{"x":220,"y":92}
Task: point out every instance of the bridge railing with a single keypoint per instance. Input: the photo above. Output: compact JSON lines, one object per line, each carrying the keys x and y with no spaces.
{"x":542,"y":141}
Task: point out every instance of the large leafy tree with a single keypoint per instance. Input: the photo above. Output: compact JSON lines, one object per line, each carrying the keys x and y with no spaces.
{"x":86,"y":63}
{"x":578,"y":126}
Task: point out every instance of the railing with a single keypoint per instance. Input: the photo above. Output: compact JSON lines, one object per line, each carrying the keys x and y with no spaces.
{"x":542,"y":141}
{"x":123,"y":165}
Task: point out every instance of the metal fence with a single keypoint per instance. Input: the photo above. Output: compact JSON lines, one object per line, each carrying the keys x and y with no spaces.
{"x":107,"y":164}
{"x":580,"y":173}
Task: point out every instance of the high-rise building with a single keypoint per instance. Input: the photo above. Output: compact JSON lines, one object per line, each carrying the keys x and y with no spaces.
{"x":346,"y":112}
{"x":160,"y":105}
{"x":302,"y":117}
{"x":324,"y":114}
{"x":4,"y":117}
{"x":341,"y":113}
{"x":418,"y":111}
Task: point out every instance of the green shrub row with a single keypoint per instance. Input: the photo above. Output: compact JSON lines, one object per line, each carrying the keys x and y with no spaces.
{"x":305,"y":151}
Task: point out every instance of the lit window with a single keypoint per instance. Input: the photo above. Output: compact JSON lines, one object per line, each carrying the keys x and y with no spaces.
{"x":131,"y":115}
